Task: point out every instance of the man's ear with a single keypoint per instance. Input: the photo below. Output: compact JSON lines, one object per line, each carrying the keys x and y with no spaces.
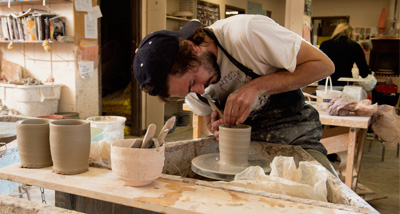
{"x":196,"y":48}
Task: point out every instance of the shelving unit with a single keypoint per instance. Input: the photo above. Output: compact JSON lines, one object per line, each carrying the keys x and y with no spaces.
{"x":207,"y":12}
{"x":61,"y":62}
{"x":173,"y":22}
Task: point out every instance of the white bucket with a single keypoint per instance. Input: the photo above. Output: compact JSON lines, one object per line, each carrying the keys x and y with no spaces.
{"x":325,"y":96}
{"x":31,"y":100}
{"x":113,"y":127}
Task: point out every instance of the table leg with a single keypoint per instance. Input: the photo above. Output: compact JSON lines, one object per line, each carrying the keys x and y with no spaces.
{"x":350,"y":156}
{"x":197,"y":125}
{"x":360,"y":150}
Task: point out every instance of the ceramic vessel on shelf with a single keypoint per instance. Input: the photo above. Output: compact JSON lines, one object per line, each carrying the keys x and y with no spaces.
{"x":183,"y":14}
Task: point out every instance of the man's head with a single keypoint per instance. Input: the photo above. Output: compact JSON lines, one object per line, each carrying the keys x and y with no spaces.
{"x":165,"y":54}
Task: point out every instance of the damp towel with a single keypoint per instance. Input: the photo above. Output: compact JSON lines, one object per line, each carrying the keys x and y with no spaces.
{"x":385,"y":122}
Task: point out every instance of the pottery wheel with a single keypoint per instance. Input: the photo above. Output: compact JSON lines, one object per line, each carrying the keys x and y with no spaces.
{"x":7,"y":129}
{"x":208,"y":165}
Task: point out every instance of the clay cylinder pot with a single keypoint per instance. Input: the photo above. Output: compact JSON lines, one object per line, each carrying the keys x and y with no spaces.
{"x":70,"y":146}
{"x":33,"y":143}
{"x":136,"y":166}
{"x":234,"y":144}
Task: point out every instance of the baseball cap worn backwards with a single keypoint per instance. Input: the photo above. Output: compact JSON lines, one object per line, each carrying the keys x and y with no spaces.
{"x":155,"y":55}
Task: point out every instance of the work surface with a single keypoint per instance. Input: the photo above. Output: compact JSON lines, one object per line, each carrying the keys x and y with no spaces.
{"x":182,"y":194}
{"x":347,"y":121}
{"x":163,"y":195}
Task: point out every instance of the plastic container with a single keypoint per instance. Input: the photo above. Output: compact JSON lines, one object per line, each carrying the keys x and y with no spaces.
{"x":325,"y":96}
{"x":31,"y":100}
{"x":96,"y":134}
{"x":113,"y":127}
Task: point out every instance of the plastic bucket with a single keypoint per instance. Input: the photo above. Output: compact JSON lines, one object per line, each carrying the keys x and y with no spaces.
{"x":113,"y":127}
{"x":325,"y":96}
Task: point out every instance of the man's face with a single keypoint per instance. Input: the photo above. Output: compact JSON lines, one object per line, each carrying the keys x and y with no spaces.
{"x":196,"y":80}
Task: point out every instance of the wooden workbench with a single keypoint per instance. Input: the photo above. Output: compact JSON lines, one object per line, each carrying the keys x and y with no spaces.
{"x":177,"y":192}
{"x":348,"y":132}
{"x":164,"y":195}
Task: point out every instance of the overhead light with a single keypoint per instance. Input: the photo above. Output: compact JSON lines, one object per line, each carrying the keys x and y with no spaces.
{"x":232,"y":12}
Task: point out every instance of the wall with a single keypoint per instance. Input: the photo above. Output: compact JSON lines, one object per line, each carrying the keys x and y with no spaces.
{"x":365,"y":13}
{"x":294,"y":11}
{"x":153,"y":16}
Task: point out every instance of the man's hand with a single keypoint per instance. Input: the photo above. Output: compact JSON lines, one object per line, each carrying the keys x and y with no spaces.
{"x":240,"y":103}
{"x":215,"y":122}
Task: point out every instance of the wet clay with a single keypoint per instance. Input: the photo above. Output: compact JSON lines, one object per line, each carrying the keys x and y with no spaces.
{"x":70,"y":146}
{"x":234,"y":144}
{"x":33,"y":143}
{"x":136,"y":166}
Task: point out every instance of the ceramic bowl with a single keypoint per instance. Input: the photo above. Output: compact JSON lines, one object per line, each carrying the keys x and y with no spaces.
{"x":136,"y":166}
{"x":183,"y":14}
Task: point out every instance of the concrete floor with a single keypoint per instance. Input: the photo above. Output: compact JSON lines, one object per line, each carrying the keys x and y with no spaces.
{"x":381,"y":177}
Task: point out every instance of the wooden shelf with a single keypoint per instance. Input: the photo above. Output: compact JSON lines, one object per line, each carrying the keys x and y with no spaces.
{"x":178,"y":19}
{"x":32,"y":42}
{"x":20,"y":2}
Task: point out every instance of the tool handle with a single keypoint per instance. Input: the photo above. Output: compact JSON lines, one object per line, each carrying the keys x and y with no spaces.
{"x":149,"y":134}
{"x":215,"y":108}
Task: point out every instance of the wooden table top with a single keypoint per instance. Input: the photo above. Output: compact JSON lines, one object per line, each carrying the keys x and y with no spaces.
{"x":163,"y":195}
{"x":347,"y":121}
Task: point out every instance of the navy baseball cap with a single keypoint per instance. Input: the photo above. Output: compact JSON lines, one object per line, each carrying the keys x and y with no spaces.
{"x":155,"y":55}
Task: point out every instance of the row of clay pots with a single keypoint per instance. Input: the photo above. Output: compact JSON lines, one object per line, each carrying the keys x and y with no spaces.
{"x":63,"y":144}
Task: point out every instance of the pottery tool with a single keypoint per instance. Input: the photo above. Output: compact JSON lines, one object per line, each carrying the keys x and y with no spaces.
{"x":136,"y":143}
{"x":214,"y":107}
{"x":162,"y":137}
{"x":156,"y":143}
{"x":168,"y":125}
{"x":149,"y":134}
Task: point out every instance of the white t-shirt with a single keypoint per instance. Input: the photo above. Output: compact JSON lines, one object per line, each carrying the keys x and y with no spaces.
{"x":257,"y":42}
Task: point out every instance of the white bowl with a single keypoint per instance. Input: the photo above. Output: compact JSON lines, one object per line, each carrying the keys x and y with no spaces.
{"x":136,"y":166}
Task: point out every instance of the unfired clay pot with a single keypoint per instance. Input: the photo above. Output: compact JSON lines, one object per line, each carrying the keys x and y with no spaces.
{"x":70,"y":146}
{"x":33,"y":143}
{"x":136,"y":166}
{"x":234,"y":144}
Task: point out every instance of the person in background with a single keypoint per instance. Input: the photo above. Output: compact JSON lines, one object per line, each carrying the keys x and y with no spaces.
{"x":256,"y":81}
{"x":344,"y":52}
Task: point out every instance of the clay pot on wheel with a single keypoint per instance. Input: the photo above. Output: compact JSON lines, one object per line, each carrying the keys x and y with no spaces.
{"x":70,"y":146}
{"x":33,"y":143}
{"x":136,"y":166}
{"x":234,"y":144}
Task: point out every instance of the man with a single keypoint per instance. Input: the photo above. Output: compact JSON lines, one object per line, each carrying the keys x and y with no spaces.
{"x":262,"y":88}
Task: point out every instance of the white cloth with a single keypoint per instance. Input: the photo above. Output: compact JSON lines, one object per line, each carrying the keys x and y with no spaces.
{"x":257,"y":42}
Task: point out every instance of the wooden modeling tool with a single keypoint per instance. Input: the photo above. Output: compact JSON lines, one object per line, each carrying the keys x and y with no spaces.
{"x":149,"y":134}
{"x":215,"y":108}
